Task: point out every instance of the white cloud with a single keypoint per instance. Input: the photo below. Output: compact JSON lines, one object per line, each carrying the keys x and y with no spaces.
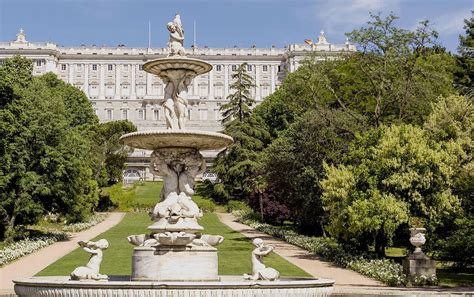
{"x":337,"y":17}
{"x":451,"y":23}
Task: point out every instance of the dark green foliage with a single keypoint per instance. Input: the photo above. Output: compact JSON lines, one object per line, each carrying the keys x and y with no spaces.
{"x":293,"y":163}
{"x":111,"y":153}
{"x":236,"y":165}
{"x":45,"y":148}
{"x":459,"y":245}
{"x":464,"y":78}
{"x":241,"y":101}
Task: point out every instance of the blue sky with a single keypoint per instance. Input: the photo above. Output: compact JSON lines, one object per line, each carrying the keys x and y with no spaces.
{"x":223,"y":23}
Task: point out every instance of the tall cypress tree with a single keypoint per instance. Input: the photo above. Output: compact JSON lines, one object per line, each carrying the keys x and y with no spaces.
{"x":241,"y":101}
{"x":236,"y":165}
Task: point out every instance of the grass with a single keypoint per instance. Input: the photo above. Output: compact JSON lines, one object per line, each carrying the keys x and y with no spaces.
{"x":455,"y":278}
{"x":234,"y":253}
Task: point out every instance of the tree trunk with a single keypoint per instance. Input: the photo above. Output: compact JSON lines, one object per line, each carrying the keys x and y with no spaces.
{"x":10,"y":230}
{"x":380,"y":243}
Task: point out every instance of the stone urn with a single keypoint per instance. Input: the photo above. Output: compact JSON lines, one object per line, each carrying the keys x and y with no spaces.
{"x":417,"y":238}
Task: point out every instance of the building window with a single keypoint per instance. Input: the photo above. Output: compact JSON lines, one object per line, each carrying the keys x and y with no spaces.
{"x":156,"y":114}
{"x":124,"y":114}
{"x":234,"y":67}
{"x":141,"y":114}
{"x":265,"y":68}
{"x":218,"y":67}
{"x":140,"y":67}
{"x":110,"y":67}
{"x":63,"y":67}
{"x":189,"y":114}
{"x":38,"y":62}
{"x":249,"y":67}
{"x":125,"y":67}
{"x":96,"y":111}
{"x":109,"y":114}
{"x":279,"y":68}
{"x":94,"y":67}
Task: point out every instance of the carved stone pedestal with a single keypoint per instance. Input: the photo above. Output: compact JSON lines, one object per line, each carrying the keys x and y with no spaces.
{"x":174,"y":263}
{"x":418,"y":264}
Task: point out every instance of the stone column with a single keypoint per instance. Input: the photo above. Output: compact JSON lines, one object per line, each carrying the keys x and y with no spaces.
{"x":102,"y":82}
{"x":195,"y":90}
{"x":211,"y":84}
{"x":257,"y":82}
{"x":133,"y":93}
{"x":226,"y":81}
{"x":86,"y":79}
{"x":117,"y":80}
{"x":71,"y":73}
{"x":148,"y":83}
{"x":272,"y":76}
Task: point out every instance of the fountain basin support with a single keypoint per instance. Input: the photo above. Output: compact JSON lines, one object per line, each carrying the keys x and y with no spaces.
{"x":195,"y":263}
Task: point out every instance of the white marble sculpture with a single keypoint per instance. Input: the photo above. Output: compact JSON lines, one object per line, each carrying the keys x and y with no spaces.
{"x":176,"y":41}
{"x":259,"y":270}
{"x":91,"y":270}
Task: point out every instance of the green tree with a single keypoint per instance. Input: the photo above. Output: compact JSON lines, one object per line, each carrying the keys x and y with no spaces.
{"x":464,"y":78}
{"x":240,"y":101}
{"x":236,"y":165}
{"x":382,"y":83}
{"x":293,"y":164}
{"x":45,"y":161}
{"x":111,"y":153}
{"x":450,"y":126}
{"x":390,"y":174}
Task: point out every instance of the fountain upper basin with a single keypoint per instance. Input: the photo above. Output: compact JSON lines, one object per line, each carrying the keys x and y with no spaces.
{"x":156,"y":139}
{"x":177,"y":63}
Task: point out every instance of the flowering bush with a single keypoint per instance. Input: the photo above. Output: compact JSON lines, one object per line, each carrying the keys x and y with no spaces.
{"x":94,"y":220}
{"x":384,"y":270}
{"x":29,"y":245}
{"x":425,"y":280}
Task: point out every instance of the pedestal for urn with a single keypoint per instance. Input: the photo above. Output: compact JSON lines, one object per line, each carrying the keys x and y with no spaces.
{"x":418,"y":264}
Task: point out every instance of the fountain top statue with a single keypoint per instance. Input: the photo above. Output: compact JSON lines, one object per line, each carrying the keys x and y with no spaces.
{"x":177,"y":71}
{"x":176,"y":42}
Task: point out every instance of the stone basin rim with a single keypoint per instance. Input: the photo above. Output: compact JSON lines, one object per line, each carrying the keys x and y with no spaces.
{"x":225,"y":283}
{"x":178,"y":63}
{"x":155,"y":139}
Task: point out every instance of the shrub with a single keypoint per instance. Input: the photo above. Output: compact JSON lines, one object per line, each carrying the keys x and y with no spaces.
{"x":29,"y":245}
{"x":207,"y":205}
{"x":234,"y":205}
{"x":93,"y":220}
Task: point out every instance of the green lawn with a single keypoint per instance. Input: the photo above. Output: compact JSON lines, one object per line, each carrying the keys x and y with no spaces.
{"x":455,"y":278}
{"x":147,"y":194}
{"x":234,"y":253}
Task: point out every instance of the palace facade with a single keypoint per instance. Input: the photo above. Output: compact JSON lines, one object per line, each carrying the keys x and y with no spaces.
{"x":118,"y":88}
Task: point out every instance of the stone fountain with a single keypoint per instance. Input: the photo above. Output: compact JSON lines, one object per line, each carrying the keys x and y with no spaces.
{"x":175,"y":258}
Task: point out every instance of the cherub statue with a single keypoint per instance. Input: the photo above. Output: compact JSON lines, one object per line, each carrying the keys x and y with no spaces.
{"x":259,"y":270}
{"x":186,"y":178}
{"x":160,"y":167}
{"x":176,"y":41}
{"x":169,"y":105}
{"x":181,"y":101}
{"x":91,"y":270}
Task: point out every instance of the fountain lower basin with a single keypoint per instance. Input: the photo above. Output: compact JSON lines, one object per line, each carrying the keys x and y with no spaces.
{"x":227,"y":286}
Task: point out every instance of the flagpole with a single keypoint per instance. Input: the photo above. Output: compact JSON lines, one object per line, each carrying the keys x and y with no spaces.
{"x":194,"y":42}
{"x":149,"y":34}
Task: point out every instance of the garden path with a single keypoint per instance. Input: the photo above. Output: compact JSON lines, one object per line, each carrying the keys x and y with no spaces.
{"x":33,"y":263}
{"x":302,"y":258}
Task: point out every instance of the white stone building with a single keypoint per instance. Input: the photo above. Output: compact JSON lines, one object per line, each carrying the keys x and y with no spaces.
{"x":118,"y":88}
